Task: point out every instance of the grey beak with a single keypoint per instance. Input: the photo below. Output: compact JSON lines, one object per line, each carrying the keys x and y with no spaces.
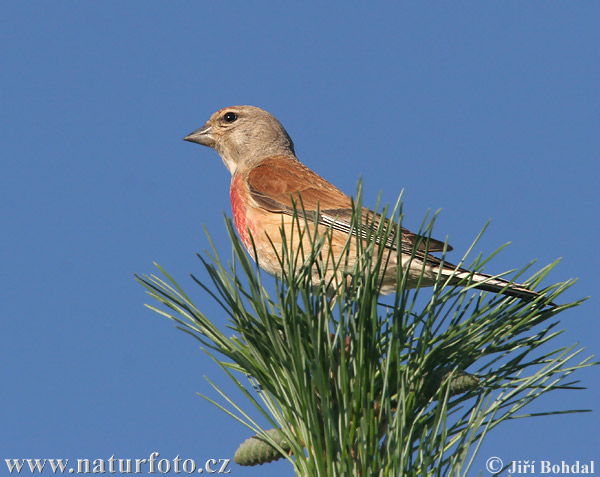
{"x":201,"y":136}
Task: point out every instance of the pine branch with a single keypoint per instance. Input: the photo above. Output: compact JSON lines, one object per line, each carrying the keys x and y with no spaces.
{"x":352,"y":386}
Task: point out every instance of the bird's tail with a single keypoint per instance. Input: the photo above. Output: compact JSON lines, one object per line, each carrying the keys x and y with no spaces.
{"x":485,"y":282}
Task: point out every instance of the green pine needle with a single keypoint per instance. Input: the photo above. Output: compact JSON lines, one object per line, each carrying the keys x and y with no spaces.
{"x":352,"y":386}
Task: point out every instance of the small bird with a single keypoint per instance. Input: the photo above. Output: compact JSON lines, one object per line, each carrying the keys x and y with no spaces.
{"x":269,"y":185}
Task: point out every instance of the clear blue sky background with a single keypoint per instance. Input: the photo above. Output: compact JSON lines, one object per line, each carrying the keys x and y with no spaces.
{"x":488,"y":110}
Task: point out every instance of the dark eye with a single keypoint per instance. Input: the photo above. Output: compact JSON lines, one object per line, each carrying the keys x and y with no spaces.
{"x":230,"y":117}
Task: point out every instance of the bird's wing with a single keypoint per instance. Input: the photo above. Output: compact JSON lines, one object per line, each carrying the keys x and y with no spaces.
{"x":283,"y":184}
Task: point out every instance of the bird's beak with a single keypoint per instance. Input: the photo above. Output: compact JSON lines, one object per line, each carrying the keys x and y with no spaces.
{"x":202,"y":136}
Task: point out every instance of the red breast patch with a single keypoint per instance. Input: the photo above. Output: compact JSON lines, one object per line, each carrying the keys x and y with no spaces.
{"x":239,"y":209}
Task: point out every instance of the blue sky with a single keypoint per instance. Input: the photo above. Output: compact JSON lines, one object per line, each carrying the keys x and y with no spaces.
{"x":485,"y":110}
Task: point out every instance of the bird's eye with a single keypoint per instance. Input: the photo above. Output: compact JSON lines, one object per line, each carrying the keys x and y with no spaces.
{"x":230,"y":117}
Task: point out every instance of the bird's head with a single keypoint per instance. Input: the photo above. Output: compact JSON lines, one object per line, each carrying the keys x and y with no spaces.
{"x":243,"y":135}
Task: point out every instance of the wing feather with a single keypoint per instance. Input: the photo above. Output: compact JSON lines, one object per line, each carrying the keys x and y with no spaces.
{"x":278,"y":184}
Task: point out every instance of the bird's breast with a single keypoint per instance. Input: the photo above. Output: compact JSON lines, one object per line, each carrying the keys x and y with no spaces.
{"x":239,"y":208}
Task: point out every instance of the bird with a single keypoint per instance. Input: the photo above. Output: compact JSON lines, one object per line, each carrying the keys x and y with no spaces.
{"x":270,"y":188}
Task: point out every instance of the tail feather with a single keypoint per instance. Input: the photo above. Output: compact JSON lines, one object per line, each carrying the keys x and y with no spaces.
{"x":485,"y":282}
